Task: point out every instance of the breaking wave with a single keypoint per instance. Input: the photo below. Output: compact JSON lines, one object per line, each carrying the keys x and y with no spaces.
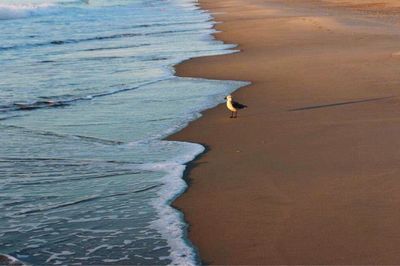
{"x":17,"y":11}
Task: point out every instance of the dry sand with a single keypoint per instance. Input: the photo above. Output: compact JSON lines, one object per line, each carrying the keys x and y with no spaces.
{"x":310,"y":172}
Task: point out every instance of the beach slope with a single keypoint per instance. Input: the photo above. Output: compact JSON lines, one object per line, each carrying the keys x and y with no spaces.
{"x":310,"y":172}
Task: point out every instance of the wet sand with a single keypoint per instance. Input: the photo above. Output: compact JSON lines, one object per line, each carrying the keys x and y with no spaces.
{"x":310,"y":172}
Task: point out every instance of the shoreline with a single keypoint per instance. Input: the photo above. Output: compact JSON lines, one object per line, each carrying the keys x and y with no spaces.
{"x":312,"y":164}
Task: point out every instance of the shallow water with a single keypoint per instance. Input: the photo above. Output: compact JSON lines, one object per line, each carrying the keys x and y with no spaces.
{"x":87,"y":93}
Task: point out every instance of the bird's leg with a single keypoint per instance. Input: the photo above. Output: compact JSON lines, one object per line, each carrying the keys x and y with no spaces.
{"x":231,"y":115}
{"x":235,"y":115}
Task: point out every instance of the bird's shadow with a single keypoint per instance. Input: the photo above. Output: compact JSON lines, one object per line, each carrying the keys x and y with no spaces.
{"x":338,"y":104}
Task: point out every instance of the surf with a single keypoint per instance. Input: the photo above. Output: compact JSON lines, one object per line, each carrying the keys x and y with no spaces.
{"x":18,"y":11}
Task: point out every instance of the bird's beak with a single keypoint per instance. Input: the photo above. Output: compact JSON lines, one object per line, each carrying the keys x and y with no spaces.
{"x":225,"y":98}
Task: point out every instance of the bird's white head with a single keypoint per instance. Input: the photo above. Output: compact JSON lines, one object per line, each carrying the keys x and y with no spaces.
{"x":229,"y":97}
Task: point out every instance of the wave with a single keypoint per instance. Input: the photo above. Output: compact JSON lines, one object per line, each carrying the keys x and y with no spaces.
{"x":63,"y":136}
{"x":60,"y":101}
{"x":84,"y":200}
{"x":100,"y":38}
{"x":17,"y":11}
{"x":115,"y":47}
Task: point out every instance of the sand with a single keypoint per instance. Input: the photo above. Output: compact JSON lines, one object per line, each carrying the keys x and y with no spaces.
{"x":310,"y":172}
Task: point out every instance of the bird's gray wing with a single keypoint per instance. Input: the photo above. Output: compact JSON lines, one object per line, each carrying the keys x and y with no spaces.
{"x":238,"y":105}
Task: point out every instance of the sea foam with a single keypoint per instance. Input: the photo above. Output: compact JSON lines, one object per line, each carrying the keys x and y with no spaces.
{"x":17,"y":11}
{"x":170,"y":222}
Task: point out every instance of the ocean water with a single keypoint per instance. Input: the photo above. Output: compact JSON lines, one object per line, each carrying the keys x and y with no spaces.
{"x":87,"y":94}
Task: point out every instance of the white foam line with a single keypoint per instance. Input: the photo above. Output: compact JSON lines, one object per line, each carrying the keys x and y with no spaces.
{"x":170,"y":223}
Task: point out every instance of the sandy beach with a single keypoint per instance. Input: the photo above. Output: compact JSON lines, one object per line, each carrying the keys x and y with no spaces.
{"x":309,"y":173}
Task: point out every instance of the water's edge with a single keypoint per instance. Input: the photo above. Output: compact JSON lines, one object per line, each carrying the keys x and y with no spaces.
{"x":189,"y":165}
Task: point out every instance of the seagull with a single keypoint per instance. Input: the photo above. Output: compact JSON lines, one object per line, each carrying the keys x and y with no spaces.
{"x":233,"y":106}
